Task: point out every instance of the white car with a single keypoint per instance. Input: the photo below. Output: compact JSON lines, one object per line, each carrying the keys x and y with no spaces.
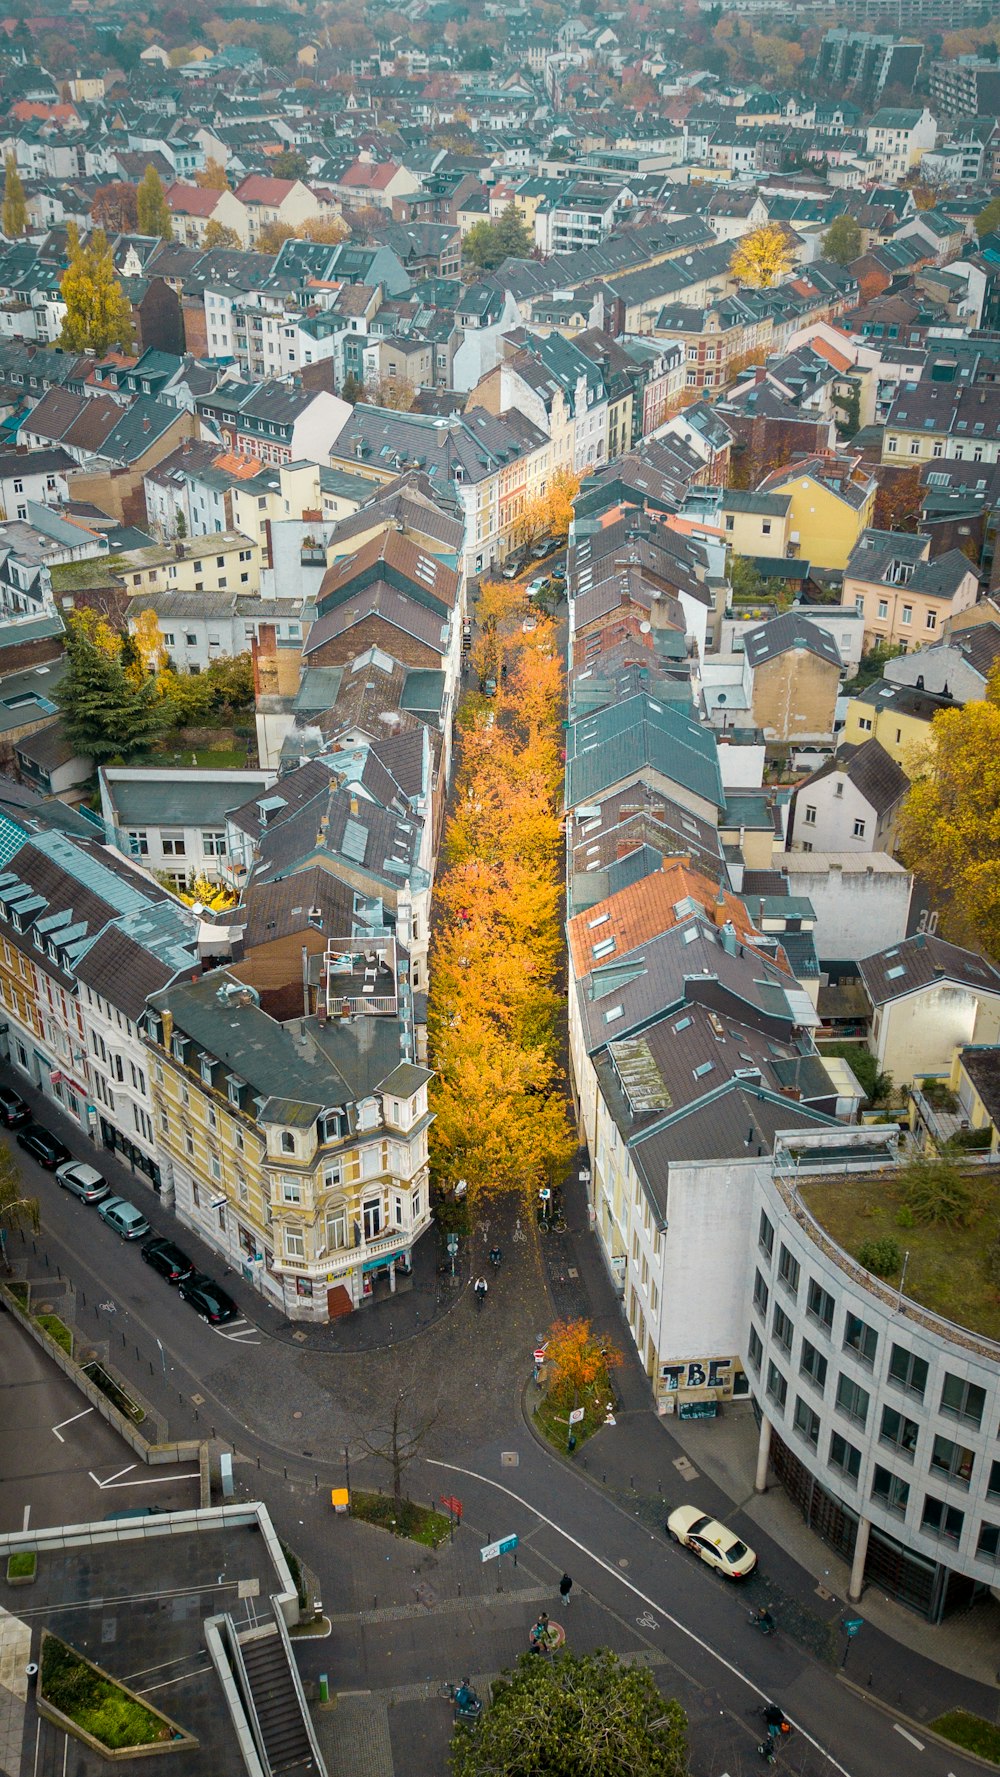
{"x":711,"y":1542}
{"x":84,"y":1181}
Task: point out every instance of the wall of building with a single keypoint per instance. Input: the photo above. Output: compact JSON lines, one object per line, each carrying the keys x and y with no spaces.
{"x":919,"y":1034}
{"x":861,"y":904}
{"x":795,"y":696}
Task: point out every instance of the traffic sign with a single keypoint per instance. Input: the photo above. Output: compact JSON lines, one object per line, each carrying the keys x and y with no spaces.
{"x":576,"y":1415}
{"x":539,"y":1354}
{"x":545,"y":1193}
{"x":853,"y":1624}
{"x":503,"y":1547}
{"x":451,"y":1504}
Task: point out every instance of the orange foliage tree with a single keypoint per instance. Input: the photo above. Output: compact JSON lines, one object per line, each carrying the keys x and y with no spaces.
{"x":498,"y":1096}
{"x":577,"y":1357}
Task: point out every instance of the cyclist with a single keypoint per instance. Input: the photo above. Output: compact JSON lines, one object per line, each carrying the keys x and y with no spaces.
{"x":775,"y":1720}
{"x":495,"y":1257}
{"x":481,"y":1287}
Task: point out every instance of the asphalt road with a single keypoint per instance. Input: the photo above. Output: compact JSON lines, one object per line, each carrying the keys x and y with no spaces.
{"x":287,"y":1410}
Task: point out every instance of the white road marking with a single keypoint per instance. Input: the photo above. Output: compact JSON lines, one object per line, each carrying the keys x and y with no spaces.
{"x":910,"y":1737}
{"x":71,"y":1421}
{"x":705,"y":1646}
{"x":27,"y":1515}
{"x":114,"y":1477}
{"x":155,"y":1481}
{"x":239,"y":1332}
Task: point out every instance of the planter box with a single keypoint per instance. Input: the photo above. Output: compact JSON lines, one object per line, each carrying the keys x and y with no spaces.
{"x":21,"y":1579}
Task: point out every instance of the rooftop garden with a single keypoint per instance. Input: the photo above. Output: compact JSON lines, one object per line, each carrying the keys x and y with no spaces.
{"x":939,"y":1220}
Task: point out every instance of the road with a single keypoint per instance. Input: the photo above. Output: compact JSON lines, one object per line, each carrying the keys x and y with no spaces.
{"x":288,"y":1411}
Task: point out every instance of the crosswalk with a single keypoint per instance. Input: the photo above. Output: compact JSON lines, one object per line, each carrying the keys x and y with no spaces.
{"x":239,"y":1332}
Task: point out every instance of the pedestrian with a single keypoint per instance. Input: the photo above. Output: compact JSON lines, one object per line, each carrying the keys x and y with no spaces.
{"x":565,"y":1588}
{"x":539,"y":1636}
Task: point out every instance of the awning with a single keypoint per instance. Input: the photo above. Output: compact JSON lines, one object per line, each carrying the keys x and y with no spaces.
{"x":386,"y":1259}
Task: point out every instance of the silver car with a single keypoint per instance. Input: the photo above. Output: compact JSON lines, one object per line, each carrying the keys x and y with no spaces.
{"x":84,"y":1181}
{"x":123,"y":1217}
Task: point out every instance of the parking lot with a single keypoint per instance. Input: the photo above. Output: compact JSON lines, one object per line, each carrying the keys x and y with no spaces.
{"x":60,"y":1463}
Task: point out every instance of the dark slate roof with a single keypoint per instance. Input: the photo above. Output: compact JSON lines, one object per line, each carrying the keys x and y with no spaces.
{"x":618,"y":742}
{"x":982,"y":1064}
{"x":788,"y":631}
{"x":918,"y":962}
{"x":872,"y":771}
{"x":742,"y":1122}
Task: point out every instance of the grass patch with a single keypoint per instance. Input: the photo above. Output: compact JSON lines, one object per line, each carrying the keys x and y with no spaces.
{"x":95,"y":1703}
{"x":970,"y":1732}
{"x":295,"y":1569}
{"x":418,"y":1523}
{"x":116,"y":1395}
{"x":948,"y":1267}
{"x":553,"y":1411}
{"x":22,"y":1565}
{"x":57,"y":1330}
{"x":20,"y":1292}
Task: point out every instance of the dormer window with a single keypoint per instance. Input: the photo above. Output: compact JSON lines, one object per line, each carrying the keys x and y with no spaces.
{"x":178,"y":1048}
{"x":287,"y":1142}
{"x":206,"y":1066}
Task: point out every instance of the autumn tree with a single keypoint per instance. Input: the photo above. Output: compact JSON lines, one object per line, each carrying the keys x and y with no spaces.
{"x":149,"y":641}
{"x":576,"y":1715}
{"x":14,"y":217}
{"x":212,"y":177}
{"x":988,"y":218}
{"x":531,"y":521}
{"x":843,"y":240}
{"x":16,"y":1210}
{"x":115,"y":207}
{"x":761,"y":258}
{"x":577,"y":1357}
{"x":153,"y":215}
{"x":949,"y":827}
{"x":353,"y":389}
{"x":898,"y":500}
{"x":488,"y":244}
{"x":273,"y":236}
{"x":366,"y":222}
{"x":329,"y":231}
{"x":563,"y":489}
{"x":98,"y":314}
{"x":218,"y":234}
{"x":395,"y":392}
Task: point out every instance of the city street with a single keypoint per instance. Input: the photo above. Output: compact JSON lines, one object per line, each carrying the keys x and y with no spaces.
{"x":405,"y":1618}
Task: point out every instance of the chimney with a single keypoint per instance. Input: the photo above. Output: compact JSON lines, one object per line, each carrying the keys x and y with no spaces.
{"x":719,"y":914}
{"x":147,"y":424}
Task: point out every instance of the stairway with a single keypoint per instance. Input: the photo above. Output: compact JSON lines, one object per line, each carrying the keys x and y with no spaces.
{"x":276,"y":1702}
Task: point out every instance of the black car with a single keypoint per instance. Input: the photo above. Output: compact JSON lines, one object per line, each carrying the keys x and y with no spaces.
{"x":167,"y":1259}
{"x":13,"y":1109}
{"x":211,"y":1302}
{"x":45,"y":1147}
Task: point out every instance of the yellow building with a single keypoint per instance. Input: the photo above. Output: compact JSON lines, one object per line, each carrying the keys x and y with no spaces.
{"x":899,"y":717}
{"x":832,"y":502}
{"x":298,"y":1150}
{"x":756,"y":523}
{"x":905,"y":598}
{"x":220,"y":561}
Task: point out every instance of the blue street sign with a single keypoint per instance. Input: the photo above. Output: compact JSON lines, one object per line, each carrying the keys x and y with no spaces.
{"x":853,"y":1624}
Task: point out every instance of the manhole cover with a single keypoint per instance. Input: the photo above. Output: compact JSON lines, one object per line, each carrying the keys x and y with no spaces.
{"x":301,"y":1337}
{"x":624,"y":1561}
{"x":425,"y":1594}
{"x":509,"y":1459}
{"x":821,"y":1592}
{"x":571,"y":1271}
{"x":198,"y":1399}
{"x":296,"y":1415}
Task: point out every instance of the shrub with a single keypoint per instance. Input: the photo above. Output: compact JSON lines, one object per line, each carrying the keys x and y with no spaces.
{"x":883,"y":1257}
{"x":936,"y":1192}
{"x":99,"y":1706}
{"x":22,"y":1565}
{"x":57,"y":1330}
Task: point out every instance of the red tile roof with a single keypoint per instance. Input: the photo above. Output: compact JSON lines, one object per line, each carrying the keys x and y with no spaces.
{"x":191,"y":200}
{"x":257,"y":188}
{"x":363,"y":175}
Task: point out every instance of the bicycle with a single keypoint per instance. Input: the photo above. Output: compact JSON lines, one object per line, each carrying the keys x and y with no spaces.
{"x":467,"y":1706}
{"x":762,"y":1619}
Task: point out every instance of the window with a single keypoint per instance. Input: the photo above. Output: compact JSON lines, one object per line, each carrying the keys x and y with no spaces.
{"x":989,"y":1541}
{"x":765,"y":1235}
{"x":291,"y":1191}
{"x":952,"y":1460}
{"x":963,"y":1400}
{"x":754,"y":1348}
{"x":907,"y":616}
{"x":859,"y":829}
{"x":783,"y":1329}
{"x":138,"y":843}
{"x":730,"y":522}
{"x":777,"y":1387}
{"x":845,"y":1457}
{"x":852,"y":1400}
{"x":932,"y":620}
{"x":892,"y":445}
{"x":812,"y":1363}
{"x":883,"y":609}
{"x":336,"y":1227}
{"x":788,"y":1271}
{"x":908,"y":1371}
{"x":295,"y":1245}
{"x":213,"y":843}
{"x":890,"y":1491}
{"x":819,"y":1303}
{"x":806,"y":1422}
{"x":942,"y":1520}
{"x":860,"y":1338}
{"x":864,"y":723}
{"x":287,"y":1142}
{"x":898,"y":1432}
{"x":172,"y":841}
{"x":810,"y":815}
{"x":766,"y":527}
{"x":993,"y":1485}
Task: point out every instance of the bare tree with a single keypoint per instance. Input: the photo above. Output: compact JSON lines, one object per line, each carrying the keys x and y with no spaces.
{"x":398,"y":1442}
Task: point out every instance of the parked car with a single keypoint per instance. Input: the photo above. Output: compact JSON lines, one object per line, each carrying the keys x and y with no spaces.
{"x":84,"y":1181}
{"x":541,"y":550}
{"x":167,"y":1259}
{"x":711,"y":1542}
{"x":43,"y":1146}
{"x":535,"y":587}
{"x":13,"y":1109}
{"x":510,"y":570}
{"x":123,"y":1217}
{"x":208,"y":1298}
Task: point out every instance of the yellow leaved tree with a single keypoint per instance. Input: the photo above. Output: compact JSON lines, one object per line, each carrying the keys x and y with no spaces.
{"x":761,"y":258}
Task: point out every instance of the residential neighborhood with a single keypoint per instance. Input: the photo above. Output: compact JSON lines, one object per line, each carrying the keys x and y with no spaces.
{"x":499,"y":844}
